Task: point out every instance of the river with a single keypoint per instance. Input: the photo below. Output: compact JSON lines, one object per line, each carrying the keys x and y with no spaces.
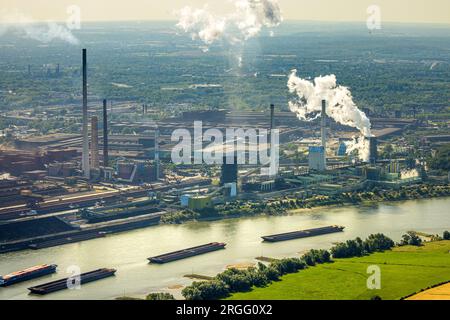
{"x":128,"y":252}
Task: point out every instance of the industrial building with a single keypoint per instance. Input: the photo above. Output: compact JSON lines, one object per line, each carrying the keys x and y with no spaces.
{"x":316,"y":159}
{"x":229,"y":172}
{"x":373,"y":150}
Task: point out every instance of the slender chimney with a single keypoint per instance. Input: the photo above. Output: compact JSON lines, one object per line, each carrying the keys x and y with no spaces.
{"x":85,"y":155}
{"x":94,"y":143}
{"x":323,"y":129}
{"x":272,"y":124}
{"x":105,"y":134}
{"x":373,"y":147}
{"x":272,"y":117}
{"x":157,"y":161}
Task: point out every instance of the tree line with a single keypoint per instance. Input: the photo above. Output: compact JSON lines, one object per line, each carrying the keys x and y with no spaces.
{"x":234,"y":280}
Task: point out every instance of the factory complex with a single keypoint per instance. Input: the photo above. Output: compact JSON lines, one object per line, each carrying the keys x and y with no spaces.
{"x":117,"y":175}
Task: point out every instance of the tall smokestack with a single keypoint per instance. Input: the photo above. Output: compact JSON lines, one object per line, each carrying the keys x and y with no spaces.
{"x":94,"y":143}
{"x":272,"y":124}
{"x":272,"y":117}
{"x":373,"y":158}
{"x":157,"y":161}
{"x":323,"y":128}
{"x":85,"y":155}
{"x":105,"y":134}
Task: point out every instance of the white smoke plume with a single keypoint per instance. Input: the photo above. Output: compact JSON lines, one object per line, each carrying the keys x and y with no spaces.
{"x":28,"y":28}
{"x":247,"y":21}
{"x":340,"y":107}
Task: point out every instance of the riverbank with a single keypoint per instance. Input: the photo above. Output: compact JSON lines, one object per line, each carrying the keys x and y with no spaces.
{"x":287,"y":205}
{"x":404,"y":270}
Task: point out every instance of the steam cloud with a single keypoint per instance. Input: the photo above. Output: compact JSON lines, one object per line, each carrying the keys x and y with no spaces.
{"x":341,"y":107}
{"x":247,"y":21}
{"x":29,"y":28}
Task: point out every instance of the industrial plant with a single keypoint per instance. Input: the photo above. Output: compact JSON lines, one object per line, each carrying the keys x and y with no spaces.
{"x":60,"y":188}
{"x":236,"y":154}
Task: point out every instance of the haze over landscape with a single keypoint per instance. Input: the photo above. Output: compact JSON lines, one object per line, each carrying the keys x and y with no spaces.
{"x":410,"y":11}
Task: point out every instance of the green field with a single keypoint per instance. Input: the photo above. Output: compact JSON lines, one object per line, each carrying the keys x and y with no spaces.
{"x":404,"y":270}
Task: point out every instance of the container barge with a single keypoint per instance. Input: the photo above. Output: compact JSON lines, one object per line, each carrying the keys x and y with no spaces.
{"x":303,"y":234}
{"x":187,"y":253}
{"x":63,"y":283}
{"x":27,"y":274}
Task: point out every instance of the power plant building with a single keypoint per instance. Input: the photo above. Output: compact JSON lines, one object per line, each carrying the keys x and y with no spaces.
{"x":317,"y":158}
{"x":342,"y":150}
{"x":229,"y":172}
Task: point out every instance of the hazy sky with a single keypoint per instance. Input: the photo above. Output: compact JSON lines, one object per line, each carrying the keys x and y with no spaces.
{"x":433,"y":11}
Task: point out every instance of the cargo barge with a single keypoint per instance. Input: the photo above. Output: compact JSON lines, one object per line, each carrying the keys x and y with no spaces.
{"x":187,"y":253}
{"x":27,"y":274}
{"x":80,"y":235}
{"x":66,"y":240}
{"x":63,"y":283}
{"x":303,"y":234}
{"x":120,"y":211}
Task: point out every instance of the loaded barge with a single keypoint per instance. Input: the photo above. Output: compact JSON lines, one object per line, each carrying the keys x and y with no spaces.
{"x":187,"y":253}
{"x":303,"y":234}
{"x":120,"y":211}
{"x":27,"y":274}
{"x":64,"y":283}
{"x":71,"y":239}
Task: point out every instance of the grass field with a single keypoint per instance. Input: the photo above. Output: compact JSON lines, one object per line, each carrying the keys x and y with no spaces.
{"x":404,"y":271}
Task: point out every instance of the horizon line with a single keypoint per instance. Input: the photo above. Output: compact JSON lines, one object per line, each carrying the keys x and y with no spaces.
{"x":286,"y":20}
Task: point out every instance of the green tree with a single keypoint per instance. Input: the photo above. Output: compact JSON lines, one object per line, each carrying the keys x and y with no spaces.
{"x":160,"y":296}
{"x":441,"y":161}
{"x":446,"y":235}
{"x":411,"y":238}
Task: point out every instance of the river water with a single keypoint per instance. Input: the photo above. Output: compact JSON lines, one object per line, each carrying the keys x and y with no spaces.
{"x":128,"y":252}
